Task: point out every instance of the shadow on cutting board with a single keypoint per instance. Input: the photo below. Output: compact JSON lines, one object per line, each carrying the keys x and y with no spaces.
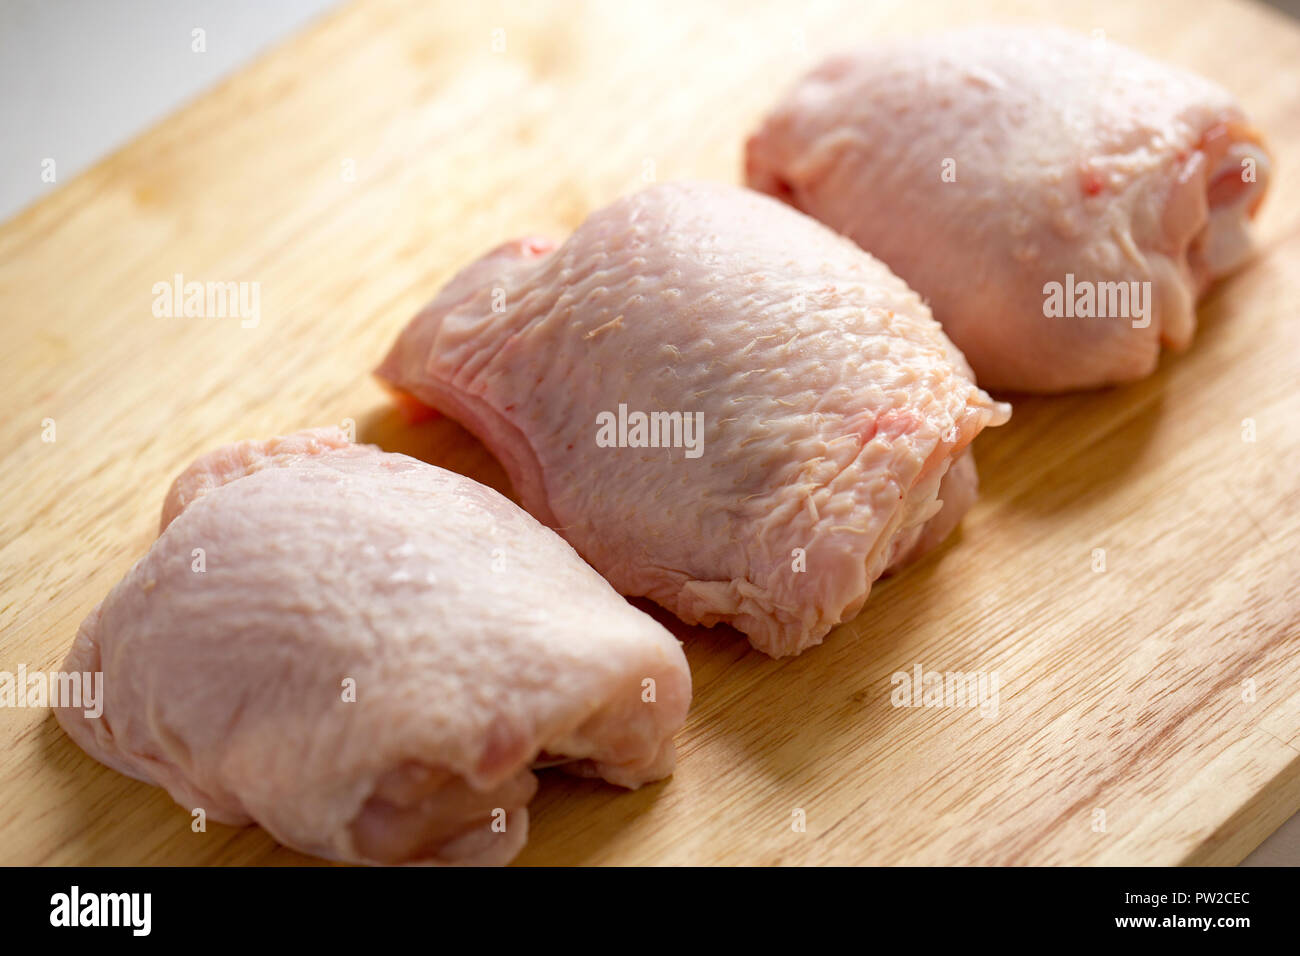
{"x":811,"y":710}
{"x":1063,"y":453}
{"x":437,"y":440}
{"x":1094,"y":439}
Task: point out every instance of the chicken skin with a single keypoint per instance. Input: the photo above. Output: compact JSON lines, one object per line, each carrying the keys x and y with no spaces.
{"x":1059,"y":201}
{"x":367,"y":655}
{"x":724,"y":406}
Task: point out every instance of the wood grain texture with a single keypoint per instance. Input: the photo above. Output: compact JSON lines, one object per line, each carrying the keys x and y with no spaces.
{"x":1120,"y":691}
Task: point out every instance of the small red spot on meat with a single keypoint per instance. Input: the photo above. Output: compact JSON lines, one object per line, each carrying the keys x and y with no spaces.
{"x":1091,"y":182}
{"x":893,"y":423}
{"x":535,"y":246}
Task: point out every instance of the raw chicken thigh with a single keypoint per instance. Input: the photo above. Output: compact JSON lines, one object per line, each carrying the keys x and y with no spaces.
{"x":1009,"y":174}
{"x":808,"y":407}
{"x":366,"y":655}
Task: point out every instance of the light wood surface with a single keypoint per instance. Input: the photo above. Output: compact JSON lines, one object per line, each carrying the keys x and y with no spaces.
{"x":1121,"y":691}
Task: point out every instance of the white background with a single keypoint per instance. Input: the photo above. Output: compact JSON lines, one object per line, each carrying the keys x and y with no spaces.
{"x":79,"y":78}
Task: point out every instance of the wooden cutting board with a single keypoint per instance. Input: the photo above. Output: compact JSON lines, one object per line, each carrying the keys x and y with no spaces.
{"x":350,"y":172}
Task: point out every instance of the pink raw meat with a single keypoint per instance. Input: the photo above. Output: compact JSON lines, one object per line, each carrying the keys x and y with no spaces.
{"x":832,"y":404}
{"x":478,"y":644}
{"x":984,"y":165}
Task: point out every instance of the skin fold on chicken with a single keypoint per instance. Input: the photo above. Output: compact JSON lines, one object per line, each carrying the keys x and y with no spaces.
{"x":368,"y":656}
{"x":994,"y":167}
{"x":827,"y":404}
